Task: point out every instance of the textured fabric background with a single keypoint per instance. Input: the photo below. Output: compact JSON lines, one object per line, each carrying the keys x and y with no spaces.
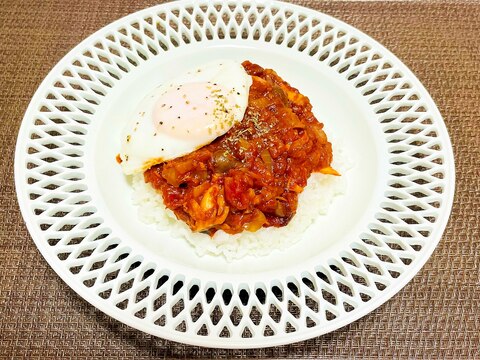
{"x":436,"y":315}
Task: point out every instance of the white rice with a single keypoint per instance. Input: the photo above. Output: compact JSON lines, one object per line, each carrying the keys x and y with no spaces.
{"x":314,"y":201}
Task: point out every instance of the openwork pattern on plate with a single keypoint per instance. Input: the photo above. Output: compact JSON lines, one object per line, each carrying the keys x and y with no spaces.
{"x":79,"y":238}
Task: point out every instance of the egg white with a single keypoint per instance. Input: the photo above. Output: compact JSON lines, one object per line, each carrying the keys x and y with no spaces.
{"x":184,"y":114}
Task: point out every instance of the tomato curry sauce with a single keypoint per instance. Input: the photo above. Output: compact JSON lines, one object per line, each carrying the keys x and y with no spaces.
{"x":251,"y":176}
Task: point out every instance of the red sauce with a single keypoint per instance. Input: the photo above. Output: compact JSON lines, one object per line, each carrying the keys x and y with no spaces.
{"x":251,"y":176}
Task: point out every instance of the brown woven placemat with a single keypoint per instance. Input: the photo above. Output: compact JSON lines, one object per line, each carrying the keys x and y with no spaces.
{"x":436,"y":315}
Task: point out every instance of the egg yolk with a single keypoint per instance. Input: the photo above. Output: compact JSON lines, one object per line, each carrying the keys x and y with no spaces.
{"x":194,"y":111}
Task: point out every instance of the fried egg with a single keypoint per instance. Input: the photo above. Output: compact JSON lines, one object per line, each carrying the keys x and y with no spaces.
{"x":184,"y":114}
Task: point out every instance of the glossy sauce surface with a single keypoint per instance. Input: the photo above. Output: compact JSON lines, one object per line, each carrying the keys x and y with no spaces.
{"x":251,"y":176}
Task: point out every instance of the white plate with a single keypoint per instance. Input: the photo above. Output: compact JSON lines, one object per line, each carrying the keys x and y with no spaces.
{"x":77,"y":207}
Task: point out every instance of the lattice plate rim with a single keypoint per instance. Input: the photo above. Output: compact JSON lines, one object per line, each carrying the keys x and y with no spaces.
{"x":69,"y":230}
